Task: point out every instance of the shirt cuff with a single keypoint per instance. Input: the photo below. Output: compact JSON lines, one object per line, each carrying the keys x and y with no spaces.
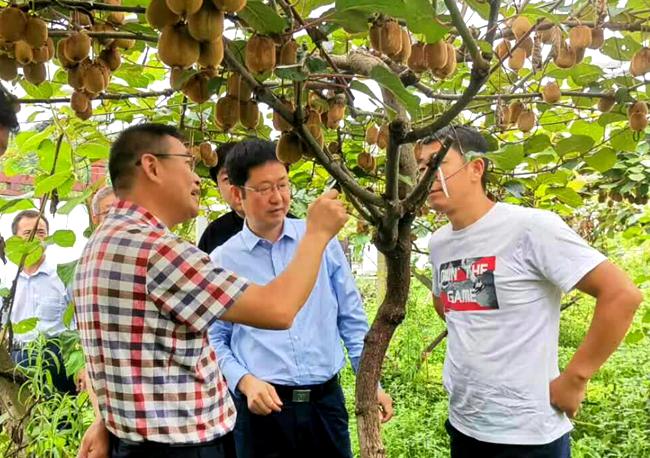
{"x":233,"y":375}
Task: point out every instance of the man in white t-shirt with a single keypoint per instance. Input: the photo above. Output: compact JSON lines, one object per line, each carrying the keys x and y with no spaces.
{"x":499,"y":274}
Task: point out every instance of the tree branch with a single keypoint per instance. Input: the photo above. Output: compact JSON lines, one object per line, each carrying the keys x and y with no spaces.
{"x":116,"y":34}
{"x":140,"y":95}
{"x":397,"y":129}
{"x":89,"y":6}
{"x":529,"y":95}
{"x":463,"y":31}
{"x":419,"y":193}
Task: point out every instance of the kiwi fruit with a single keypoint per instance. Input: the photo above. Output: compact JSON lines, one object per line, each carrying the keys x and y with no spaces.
{"x":607,"y":102}
{"x":249,"y":114}
{"x":184,"y":8}
{"x":372,"y":132}
{"x":366,"y":162}
{"x":640,"y":63}
{"x":382,"y":136}
{"x":74,"y":77}
{"x":111,"y":57}
{"x":81,"y":18}
{"x":289,"y":148}
{"x":526,"y":120}
{"x":551,"y":92}
{"x":637,"y":107}
{"x":638,"y":121}
{"x":565,"y":56}
{"x":85,"y":115}
{"x":502,"y":50}
{"x":8,"y":68}
{"x":93,"y":77}
{"x":23,"y":53}
{"x":206,"y":25}
{"x":79,"y":101}
{"x":288,"y":53}
{"x":375,"y":36}
{"x":237,"y":87}
{"x":515,"y":109}
{"x":211,"y":53}
{"x":580,"y":36}
{"x":597,"y":38}
{"x":527,"y":45}
{"x":35,"y":73}
{"x":159,"y":15}
{"x":12,"y":23}
{"x":279,"y":123}
{"x":226,"y":112}
{"x":391,"y":38}
{"x":260,"y":54}
{"x":176,"y":48}
{"x":450,"y":66}
{"x":520,"y":26}
{"x":196,"y":88}
{"x":436,"y":54}
{"x":336,"y":112}
{"x":229,"y":6}
{"x":517,"y":59}
{"x":403,"y":56}
{"x":417,"y":61}
{"x":35,"y":32}
{"x":77,"y":46}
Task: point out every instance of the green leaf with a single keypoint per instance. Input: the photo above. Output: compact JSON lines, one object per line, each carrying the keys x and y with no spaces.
{"x":316,"y":65}
{"x":25,"y":326}
{"x":575,"y":143}
{"x":42,"y":91}
{"x":623,"y":140}
{"x":509,"y":157}
{"x":620,"y":48}
{"x":481,"y":7}
{"x":352,"y":21}
{"x":567,"y":196}
{"x":5,"y":292}
{"x":293,"y":73}
{"x":637,"y":177}
{"x":390,"y":81}
{"x":602,"y":160}
{"x":634,"y":337}
{"x":51,"y":182}
{"x":63,"y":237}
{"x":15,"y":205}
{"x":585,"y":74}
{"x":93,"y":151}
{"x":537,"y":143}
{"x":17,"y":247}
{"x":66,"y":272}
{"x":646,"y":316}
{"x":68,"y":315}
{"x":262,"y":18}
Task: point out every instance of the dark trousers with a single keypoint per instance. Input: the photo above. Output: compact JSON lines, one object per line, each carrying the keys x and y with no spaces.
{"x":463,"y":446}
{"x":222,"y":447}
{"x":303,"y":429}
{"x":52,"y":362}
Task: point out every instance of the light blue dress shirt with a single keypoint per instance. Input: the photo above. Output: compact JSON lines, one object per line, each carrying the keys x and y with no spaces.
{"x":310,"y":352}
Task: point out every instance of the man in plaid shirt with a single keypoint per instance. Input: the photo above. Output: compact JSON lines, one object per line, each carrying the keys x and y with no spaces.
{"x":145,"y":299}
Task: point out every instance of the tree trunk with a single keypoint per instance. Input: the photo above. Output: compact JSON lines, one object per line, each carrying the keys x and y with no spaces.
{"x":391,"y":313}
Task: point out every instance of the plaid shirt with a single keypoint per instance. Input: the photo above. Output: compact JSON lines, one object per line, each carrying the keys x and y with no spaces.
{"x":145,"y":299}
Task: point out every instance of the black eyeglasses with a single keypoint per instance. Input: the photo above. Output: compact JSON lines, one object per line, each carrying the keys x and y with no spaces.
{"x":192,"y":159}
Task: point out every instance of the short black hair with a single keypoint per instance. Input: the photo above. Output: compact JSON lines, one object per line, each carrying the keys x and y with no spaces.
{"x":8,"y":118}
{"x":465,"y":139}
{"x":247,"y":155}
{"x":222,"y":155}
{"x":27,"y":214}
{"x":129,"y":147}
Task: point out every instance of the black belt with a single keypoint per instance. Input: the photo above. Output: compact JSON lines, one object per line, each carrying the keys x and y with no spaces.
{"x":306,"y":393}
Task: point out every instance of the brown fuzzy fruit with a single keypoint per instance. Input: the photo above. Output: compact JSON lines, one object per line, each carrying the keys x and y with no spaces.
{"x":606,"y":103}
{"x":74,"y":78}
{"x":580,"y":36}
{"x":417,"y":61}
{"x":35,"y":73}
{"x":436,"y":54}
{"x":226,"y":112}
{"x":527,"y":45}
{"x":260,"y":54}
{"x":49,"y":44}
{"x":565,"y":56}
{"x":502,"y":50}
{"x":391,"y":38}
{"x":230,"y":6}
{"x":526,"y":121}
{"x":196,"y":88}
{"x":638,"y":121}
{"x":23,"y":53}
{"x":94,"y":80}
{"x":177,"y":48}
{"x":551,"y":92}
{"x":375,"y":36}
{"x":279,"y":123}
{"x":288,"y":53}
{"x":211,"y":54}
{"x":597,"y":38}
{"x":35,"y":32}
{"x":503,"y":119}
{"x":41,"y":55}
{"x":212,"y":160}
{"x":289,"y":148}
{"x":111,"y":57}
{"x":517,"y":59}
{"x":8,"y":68}
{"x":12,"y":23}
{"x":79,"y":101}
{"x":637,"y":107}
{"x":238,"y":88}
{"x":336,"y":112}
{"x":640,"y":63}
{"x":403,"y":56}
{"x":81,"y":18}
{"x":98,"y":27}
{"x":547,"y":34}
{"x":184,"y":7}
{"x":116,"y":17}
{"x":206,"y":25}
{"x":159,"y":15}
{"x":85,"y":115}
{"x":520,"y":26}
{"x":77,"y":46}
{"x":123,"y":43}
{"x":249,"y":114}
{"x":177,"y":78}
{"x":515,"y":110}
{"x":366,"y":162}
{"x":382,"y":137}
{"x":580,"y":54}
{"x":372,"y":132}
{"x":450,"y":65}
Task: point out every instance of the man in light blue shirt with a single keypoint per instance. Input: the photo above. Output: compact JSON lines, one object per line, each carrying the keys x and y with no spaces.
{"x":288,"y":397}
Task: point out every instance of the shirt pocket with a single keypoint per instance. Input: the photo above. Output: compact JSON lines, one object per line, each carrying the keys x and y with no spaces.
{"x":49,"y":311}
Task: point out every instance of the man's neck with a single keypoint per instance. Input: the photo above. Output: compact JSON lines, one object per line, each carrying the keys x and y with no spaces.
{"x":271,"y":234}
{"x":467,"y":215}
{"x":154,"y":207}
{"x":31,"y":270}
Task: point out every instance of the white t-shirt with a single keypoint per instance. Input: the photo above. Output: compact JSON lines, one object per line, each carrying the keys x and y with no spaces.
{"x":501,"y":280}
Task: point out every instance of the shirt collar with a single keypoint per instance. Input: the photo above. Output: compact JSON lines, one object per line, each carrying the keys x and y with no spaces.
{"x":46,"y":268}
{"x":251,"y":239}
{"x":127,"y":209}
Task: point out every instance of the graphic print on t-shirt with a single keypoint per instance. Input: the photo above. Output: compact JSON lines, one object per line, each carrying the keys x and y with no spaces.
{"x":468,"y":284}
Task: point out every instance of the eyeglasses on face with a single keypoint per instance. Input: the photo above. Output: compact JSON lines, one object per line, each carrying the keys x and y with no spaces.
{"x":267,"y":188}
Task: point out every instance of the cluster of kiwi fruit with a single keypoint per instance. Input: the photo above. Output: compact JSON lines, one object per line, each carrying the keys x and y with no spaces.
{"x":205,"y":153}
{"x":516,"y":114}
{"x":237,"y":105}
{"x":375,"y":135}
{"x":264,"y":53}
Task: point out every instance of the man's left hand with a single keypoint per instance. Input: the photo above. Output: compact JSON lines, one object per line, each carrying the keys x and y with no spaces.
{"x":567,"y":392}
{"x":385,"y":405}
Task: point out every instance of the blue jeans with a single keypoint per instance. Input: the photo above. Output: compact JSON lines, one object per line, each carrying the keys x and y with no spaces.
{"x":60,"y":380}
{"x":463,"y":446}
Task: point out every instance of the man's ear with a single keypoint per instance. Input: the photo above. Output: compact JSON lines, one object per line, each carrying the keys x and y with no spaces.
{"x":150,"y":167}
{"x":477,"y":166}
{"x":237,"y":194}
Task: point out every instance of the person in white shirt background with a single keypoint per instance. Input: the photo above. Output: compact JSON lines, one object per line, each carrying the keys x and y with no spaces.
{"x":499,"y":274}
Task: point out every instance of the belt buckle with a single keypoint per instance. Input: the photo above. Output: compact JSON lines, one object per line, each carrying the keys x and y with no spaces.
{"x":300,"y":395}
